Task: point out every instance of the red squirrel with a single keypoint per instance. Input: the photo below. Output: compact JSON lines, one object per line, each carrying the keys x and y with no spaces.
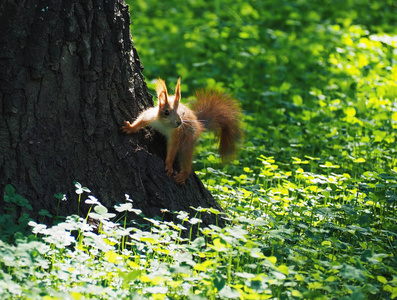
{"x":182,"y":126}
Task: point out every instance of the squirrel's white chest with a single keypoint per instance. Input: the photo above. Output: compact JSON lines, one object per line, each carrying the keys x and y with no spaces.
{"x":164,"y":130}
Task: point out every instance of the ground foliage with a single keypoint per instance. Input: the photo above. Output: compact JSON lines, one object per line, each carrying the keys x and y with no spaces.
{"x":311,"y":201}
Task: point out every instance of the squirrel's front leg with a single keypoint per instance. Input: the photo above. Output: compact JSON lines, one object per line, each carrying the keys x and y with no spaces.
{"x":144,"y":119}
{"x":138,"y":124}
{"x":172,"y":150}
{"x":185,"y":159}
{"x":129,"y":128}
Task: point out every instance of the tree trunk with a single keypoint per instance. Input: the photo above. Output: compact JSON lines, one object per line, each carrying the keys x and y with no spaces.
{"x":69,"y":77}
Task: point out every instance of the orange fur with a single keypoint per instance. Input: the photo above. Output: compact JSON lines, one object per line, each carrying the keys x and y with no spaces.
{"x":220,"y":113}
{"x":182,"y":126}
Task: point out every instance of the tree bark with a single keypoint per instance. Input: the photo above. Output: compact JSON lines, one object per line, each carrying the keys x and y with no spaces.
{"x":69,"y":77}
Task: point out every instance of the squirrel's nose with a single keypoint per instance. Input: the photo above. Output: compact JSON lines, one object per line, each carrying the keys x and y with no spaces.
{"x":178,"y":123}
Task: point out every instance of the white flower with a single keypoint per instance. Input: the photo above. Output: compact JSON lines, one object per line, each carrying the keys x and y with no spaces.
{"x":80,"y":189}
{"x":92,"y":200}
{"x":37,"y":228}
{"x":123,"y":207}
{"x":127,"y":198}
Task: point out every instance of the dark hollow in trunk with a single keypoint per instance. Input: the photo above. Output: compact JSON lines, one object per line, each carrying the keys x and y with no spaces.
{"x":69,"y":77}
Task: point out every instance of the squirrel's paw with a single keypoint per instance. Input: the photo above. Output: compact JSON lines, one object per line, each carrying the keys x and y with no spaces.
{"x":180,"y":178}
{"x":127,"y":128}
{"x":168,"y":169}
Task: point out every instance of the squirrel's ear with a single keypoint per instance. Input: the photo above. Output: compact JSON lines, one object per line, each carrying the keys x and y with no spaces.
{"x":162,"y":94}
{"x":178,"y":91}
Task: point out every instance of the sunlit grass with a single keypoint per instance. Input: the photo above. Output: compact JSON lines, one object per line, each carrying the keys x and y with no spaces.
{"x":310,"y":200}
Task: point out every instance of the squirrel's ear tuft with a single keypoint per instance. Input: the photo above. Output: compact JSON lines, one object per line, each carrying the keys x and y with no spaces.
{"x":178,"y":91}
{"x":161,"y":90}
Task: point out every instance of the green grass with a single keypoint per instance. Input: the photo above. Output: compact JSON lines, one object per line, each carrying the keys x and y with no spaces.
{"x":311,"y":200}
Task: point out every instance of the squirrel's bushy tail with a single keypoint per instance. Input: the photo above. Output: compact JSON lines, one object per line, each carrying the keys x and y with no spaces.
{"x":220,"y":113}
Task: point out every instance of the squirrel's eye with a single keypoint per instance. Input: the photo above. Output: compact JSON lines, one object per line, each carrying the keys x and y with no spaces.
{"x":166,"y":112}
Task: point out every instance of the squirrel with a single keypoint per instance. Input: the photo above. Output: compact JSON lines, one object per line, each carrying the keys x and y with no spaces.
{"x":182,"y":126}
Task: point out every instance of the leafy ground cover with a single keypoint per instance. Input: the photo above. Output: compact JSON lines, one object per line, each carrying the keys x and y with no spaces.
{"x":311,"y":200}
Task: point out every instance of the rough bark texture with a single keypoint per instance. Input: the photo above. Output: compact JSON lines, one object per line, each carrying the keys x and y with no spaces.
{"x":69,"y":77}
